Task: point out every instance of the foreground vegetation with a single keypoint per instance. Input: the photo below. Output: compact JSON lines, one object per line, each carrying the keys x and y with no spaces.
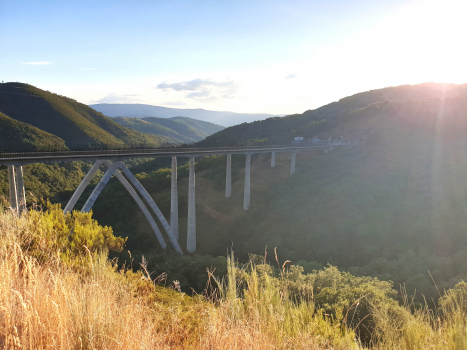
{"x":60,"y":291}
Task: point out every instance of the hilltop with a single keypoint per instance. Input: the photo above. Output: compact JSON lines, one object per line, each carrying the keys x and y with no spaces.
{"x":180,"y":129}
{"x":77,"y":124}
{"x":144,"y":111}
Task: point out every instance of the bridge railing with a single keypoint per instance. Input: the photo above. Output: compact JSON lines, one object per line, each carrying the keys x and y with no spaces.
{"x":18,"y":153}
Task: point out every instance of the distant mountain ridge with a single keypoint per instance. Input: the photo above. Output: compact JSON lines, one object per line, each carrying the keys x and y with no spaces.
{"x":144,"y":110}
{"x":77,"y":124}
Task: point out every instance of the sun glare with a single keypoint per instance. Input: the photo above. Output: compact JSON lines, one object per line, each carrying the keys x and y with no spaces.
{"x":424,"y":42}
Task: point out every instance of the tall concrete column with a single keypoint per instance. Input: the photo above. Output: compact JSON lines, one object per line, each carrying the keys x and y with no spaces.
{"x":174,"y":200}
{"x":191,"y":226}
{"x":228,"y":176}
{"x":246,"y":191}
{"x":20,"y":196}
{"x":12,"y":187}
{"x":292,"y":164}
{"x":273,"y":159}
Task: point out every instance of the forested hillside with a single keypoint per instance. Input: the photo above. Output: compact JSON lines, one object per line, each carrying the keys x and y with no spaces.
{"x":77,"y":124}
{"x":324,"y":119}
{"x":19,"y":136}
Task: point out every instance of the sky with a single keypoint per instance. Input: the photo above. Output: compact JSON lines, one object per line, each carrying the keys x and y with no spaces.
{"x":277,"y":57}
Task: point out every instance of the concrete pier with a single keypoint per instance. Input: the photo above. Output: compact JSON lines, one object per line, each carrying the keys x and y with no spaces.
{"x":20,"y":194}
{"x":273,"y":159}
{"x":174,"y":200}
{"x":292,"y":164}
{"x":246,"y":190}
{"x":228,"y":176}
{"x":191,"y":224}
{"x":12,"y":187}
{"x":79,"y":191}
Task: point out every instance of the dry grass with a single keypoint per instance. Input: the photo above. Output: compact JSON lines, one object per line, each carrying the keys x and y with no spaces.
{"x":408,"y":329}
{"x":86,"y":302}
{"x":90,"y":304}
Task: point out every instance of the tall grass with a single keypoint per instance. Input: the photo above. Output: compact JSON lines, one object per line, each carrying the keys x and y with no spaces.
{"x":88,"y":303}
{"x":411,"y":328}
{"x":85,"y":301}
{"x":255,"y":311}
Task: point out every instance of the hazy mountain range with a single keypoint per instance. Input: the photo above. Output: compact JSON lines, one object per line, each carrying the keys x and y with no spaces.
{"x":142,"y":111}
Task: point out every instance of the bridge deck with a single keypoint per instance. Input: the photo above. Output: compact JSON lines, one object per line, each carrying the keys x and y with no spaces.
{"x":67,"y":156}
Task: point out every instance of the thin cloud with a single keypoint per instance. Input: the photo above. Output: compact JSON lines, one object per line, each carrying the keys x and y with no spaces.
{"x":41,"y":63}
{"x":201,"y":89}
{"x":117,"y":98}
{"x":291,"y":76}
{"x":173,"y":103}
{"x":198,"y":94}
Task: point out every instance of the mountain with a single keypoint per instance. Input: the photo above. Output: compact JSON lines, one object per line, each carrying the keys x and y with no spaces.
{"x":394,"y":208}
{"x":324,"y":119}
{"x":17,"y":136}
{"x":142,"y":111}
{"x":77,"y":124}
{"x":180,"y":129}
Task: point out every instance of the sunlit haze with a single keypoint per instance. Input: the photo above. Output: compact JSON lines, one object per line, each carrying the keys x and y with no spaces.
{"x":249,"y":56}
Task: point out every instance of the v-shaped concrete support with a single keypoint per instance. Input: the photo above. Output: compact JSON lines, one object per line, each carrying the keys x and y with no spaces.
{"x":98,"y":189}
{"x":100,"y":186}
{"x":147,"y":197}
{"x":87,"y":179}
{"x":113,"y":170}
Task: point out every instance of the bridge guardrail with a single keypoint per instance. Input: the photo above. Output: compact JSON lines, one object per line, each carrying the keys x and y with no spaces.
{"x":141,"y":151}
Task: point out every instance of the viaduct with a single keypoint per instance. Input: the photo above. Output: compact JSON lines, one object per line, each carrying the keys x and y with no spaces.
{"x":112,"y":159}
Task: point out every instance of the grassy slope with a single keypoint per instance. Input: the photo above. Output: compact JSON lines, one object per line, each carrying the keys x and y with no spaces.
{"x":77,"y":124}
{"x":206,"y":127}
{"x":189,"y":128}
{"x":21,"y":136}
{"x":179,"y":128}
{"x":152,"y":128}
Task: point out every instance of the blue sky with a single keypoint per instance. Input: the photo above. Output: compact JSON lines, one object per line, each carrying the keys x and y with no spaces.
{"x":277,"y":57}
